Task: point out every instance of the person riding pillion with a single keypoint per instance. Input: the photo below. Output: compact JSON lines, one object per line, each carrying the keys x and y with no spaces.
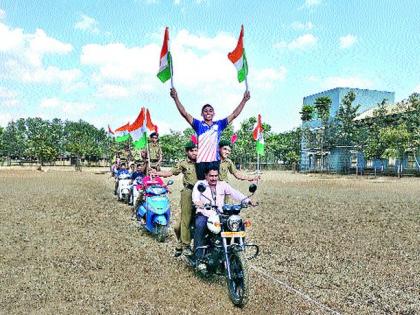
{"x":208,"y":131}
{"x":227,"y":166}
{"x":187,"y":168}
{"x":215,"y":194}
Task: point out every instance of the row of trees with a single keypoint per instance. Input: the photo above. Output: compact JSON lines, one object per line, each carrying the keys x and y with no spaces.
{"x":391,"y":132}
{"x":46,"y":141}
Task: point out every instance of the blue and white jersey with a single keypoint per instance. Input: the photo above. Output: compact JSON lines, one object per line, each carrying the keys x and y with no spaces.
{"x":208,"y":139}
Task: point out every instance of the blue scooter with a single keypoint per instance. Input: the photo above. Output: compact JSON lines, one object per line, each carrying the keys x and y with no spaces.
{"x":156,"y":211}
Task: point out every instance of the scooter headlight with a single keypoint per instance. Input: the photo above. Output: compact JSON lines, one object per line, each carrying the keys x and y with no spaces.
{"x":234,"y":223}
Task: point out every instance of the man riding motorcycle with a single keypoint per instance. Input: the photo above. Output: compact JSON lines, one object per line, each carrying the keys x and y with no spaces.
{"x":215,"y":192}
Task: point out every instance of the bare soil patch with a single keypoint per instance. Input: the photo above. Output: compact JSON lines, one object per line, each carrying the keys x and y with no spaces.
{"x":67,"y":246}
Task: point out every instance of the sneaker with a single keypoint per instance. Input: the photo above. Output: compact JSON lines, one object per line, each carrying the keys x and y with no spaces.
{"x":187,"y":252}
{"x":178,"y":252}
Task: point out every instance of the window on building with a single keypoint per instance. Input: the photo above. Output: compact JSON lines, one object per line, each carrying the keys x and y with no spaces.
{"x":353,"y":160}
{"x":391,"y":161}
{"x":411,"y":161}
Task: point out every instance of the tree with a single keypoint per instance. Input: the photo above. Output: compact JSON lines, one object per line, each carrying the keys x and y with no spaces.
{"x":42,"y":141}
{"x":396,"y":140}
{"x":322,"y":106}
{"x":411,"y":118}
{"x":374,"y":146}
{"x":14,"y":139}
{"x":307,"y":113}
{"x":344,"y":131}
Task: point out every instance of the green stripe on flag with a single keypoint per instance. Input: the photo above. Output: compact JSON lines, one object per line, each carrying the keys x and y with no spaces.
{"x":244,"y":71}
{"x":141,"y":142}
{"x":122,"y":138}
{"x":260,"y":148}
{"x":165,"y":74}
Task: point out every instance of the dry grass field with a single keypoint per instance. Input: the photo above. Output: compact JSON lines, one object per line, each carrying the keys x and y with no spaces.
{"x":328,"y":245}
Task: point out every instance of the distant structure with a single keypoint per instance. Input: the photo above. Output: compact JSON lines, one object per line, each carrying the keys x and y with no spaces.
{"x":334,"y":160}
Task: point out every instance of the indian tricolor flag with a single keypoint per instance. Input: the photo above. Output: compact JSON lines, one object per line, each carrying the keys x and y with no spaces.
{"x":121,"y":134}
{"x":140,"y":127}
{"x":165,"y":66}
{"x":259,"y":137}
{"x":238,"y":57}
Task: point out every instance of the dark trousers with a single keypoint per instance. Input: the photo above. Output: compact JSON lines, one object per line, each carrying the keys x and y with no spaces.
{"x":199,"y":234}
{"x":201,"y":167}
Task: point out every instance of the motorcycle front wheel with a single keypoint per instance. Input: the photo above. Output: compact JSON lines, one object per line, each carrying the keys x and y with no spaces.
{"x":161,"y":232}
{"x":238,"y":285}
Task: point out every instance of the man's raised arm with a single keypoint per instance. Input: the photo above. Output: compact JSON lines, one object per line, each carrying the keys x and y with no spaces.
{"x":181,"y":108}
{"x":239,"y":108}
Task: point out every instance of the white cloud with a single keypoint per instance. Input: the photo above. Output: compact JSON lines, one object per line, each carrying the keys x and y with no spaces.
{"x":299,"y":26}
{"x":8,"y":98}
{"x":118,"y":62}
{"x":5,"y":118}
{"x":23,"y":55}
{"x":113,"y":91}
{"x":87,"y":23}
{"x":347,"y":41}
{"x":352,"y":82}
{"x":2,"y":14}
{"x":202,"y":72}
{"x":54,"y":107}
{"x":302,"y":42}
{"x":417,"y":88}
{"x":265,"y":78}
{"x":177,"y":2}
{"x":310,"y":3}
{"x":51,"y":75}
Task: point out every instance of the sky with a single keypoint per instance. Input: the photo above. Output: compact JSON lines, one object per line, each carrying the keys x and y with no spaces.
{"x":98,"y":60}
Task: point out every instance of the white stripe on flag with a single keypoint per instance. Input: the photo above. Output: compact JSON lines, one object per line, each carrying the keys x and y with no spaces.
{"x":240,"y":63}
{"x":163,"y":62}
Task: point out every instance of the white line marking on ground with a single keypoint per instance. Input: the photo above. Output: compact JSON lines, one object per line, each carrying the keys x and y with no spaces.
{"x":291,"y":289}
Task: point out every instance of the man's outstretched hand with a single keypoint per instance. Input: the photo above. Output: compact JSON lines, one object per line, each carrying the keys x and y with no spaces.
{"x":174,"y":94}
{"x":246,"y":97}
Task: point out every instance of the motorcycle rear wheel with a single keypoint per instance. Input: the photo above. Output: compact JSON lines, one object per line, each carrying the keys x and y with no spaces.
{"x":161,"y":232}
{"x":238,"y":286}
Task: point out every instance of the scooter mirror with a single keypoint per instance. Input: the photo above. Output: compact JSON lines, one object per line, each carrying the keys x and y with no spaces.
{"x":252,"y":188}
{"x":201,"y":187}
{"x":170,"y":182}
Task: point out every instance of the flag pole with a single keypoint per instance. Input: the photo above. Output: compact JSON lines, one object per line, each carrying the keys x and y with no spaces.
{"x":172,"y":73}
{"x":258,"y":164}
{"x":170,"y":62}
{"x":246,"y":84}
{"x":148,"y":155}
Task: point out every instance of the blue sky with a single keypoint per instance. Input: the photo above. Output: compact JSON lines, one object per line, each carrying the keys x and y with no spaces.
{"x":97,"y":60}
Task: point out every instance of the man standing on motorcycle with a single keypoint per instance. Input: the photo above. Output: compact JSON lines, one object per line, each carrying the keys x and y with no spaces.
{"x":208,"y":132}
{"x":182,"y":227}
{"x":215,"y":194}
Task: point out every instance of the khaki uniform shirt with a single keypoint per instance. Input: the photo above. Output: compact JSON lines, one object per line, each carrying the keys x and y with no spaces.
{"x":187,"y":168}
{"x":226,"y":166}
{"x":137,"y":155}
{"x":155,"y":151}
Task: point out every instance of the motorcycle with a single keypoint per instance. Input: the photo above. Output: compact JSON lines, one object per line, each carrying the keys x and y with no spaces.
{"x":155,"y":210}
{"x":225,"y":249}
{"x":124,"y":187}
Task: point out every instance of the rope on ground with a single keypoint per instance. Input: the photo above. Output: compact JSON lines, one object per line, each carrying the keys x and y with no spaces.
{"x":291,"y":289}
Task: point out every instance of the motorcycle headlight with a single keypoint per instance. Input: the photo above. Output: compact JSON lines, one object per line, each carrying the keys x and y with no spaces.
{"x":234,"y":223}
